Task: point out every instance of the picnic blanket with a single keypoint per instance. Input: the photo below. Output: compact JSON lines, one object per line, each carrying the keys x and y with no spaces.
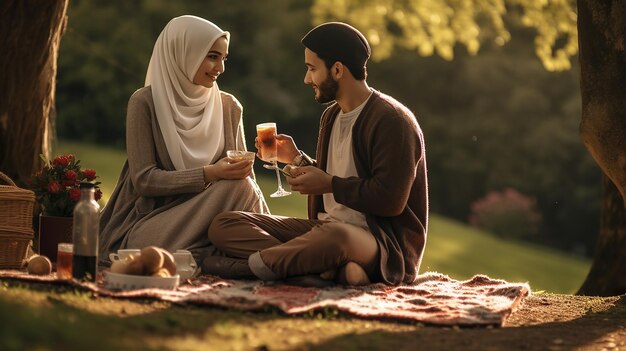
{"x":434,"y":298}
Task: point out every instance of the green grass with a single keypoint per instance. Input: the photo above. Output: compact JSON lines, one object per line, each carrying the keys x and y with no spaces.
{"x":452,"y":248}
{"x":461,"y":251}
{"x":48,"y":317}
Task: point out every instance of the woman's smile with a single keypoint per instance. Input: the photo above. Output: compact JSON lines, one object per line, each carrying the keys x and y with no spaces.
{"x":213,"y":76}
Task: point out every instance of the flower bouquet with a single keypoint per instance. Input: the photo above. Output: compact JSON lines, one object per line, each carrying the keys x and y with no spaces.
{"x":56,"y":185}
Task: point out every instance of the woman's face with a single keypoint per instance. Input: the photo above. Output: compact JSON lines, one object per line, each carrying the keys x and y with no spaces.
{"x":213,"y":64}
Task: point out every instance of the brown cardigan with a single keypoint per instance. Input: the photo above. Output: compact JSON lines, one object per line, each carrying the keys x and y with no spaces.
{"x":391,"y":189}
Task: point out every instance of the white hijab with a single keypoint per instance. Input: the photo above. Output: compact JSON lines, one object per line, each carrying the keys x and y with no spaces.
{"x":190,"y":116}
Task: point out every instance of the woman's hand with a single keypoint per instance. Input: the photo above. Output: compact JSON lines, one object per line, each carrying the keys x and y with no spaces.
{"x":285,"y":146}
{"x":227,"y":168}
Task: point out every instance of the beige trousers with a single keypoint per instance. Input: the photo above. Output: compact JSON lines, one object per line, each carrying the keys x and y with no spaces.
{"x":278,"y":247}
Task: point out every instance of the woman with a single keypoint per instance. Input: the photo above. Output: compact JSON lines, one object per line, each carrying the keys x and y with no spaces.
{"x":179,"y":126}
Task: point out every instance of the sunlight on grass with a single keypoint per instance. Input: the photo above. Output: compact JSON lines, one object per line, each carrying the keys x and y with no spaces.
{"x":452,"y":248}
{"x":460,"y":251}
{"x":275,"y":334}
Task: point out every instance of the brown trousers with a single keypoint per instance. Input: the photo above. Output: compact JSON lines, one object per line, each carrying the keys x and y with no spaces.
{"x":293,"y":246}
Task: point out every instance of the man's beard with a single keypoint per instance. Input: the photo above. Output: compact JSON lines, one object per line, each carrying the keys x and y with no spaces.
{"x":327,"y":90}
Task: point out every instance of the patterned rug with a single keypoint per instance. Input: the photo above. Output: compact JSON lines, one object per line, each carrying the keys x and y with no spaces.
{"x":433,"y":299}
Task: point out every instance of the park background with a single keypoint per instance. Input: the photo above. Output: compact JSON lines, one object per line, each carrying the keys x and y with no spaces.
{"x":501,"y":131}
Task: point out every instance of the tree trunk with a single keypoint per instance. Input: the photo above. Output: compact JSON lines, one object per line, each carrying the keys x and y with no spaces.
{"x":30,"y":32}
{"x":602,"y":48}
{"x":608,"y":272}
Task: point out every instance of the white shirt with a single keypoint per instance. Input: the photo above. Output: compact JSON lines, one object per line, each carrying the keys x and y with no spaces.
{"x":341,"y":164}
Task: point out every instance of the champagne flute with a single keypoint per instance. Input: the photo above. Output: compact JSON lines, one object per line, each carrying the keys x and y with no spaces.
{"x":266,"y":134}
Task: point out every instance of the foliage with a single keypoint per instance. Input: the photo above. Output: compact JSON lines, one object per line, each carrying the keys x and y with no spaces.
{"x":430,"y":27}
{"x":102,"y":62}
{"x":56,"y":185}
{"x":507,"y":214}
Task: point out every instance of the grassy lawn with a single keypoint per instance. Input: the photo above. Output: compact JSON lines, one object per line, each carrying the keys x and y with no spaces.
{"x":452,"y":248}
{"x":58,"y":318}
{"x":461,"y":251}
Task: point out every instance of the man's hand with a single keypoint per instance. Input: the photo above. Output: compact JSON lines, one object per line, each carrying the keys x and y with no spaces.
{"x":309,"y":180}
{"x":285,"y":146}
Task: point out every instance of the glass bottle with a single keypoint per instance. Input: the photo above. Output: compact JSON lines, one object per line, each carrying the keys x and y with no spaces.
{"x":85,"y":234}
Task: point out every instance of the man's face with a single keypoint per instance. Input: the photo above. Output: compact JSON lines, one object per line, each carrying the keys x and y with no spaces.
{"x":319,"y":77}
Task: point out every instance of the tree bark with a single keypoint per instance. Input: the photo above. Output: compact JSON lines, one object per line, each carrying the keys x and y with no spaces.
{"x":608,"y":272}
{"x":602,"y":44}
{"x":30,"y":33}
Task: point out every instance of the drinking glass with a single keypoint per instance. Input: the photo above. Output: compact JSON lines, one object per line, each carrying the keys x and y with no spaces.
{"x":266,"y":135}
{"x":64,"y":260}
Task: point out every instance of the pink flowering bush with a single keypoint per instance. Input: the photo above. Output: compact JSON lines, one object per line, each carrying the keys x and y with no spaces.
{"x":56,"y":185}
{"x":507,"y":214}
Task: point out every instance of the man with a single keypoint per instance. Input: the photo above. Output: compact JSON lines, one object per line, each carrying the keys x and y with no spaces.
{"x":368,"y":199}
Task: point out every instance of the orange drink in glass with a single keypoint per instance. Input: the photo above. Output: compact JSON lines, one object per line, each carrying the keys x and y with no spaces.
{"x":266,"y":133}
{"x":64,"y":260}
{"x":266,"y":137}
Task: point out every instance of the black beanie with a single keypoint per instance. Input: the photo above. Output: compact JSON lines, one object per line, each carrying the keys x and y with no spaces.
{"x":340,"y":42}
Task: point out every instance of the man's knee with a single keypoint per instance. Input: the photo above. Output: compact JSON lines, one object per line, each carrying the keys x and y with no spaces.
{"x":221,"y":225}
{"x":342,"y":237}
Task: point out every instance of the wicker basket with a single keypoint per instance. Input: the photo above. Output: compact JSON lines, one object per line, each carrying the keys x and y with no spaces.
{"x":16,"y":205}
{"x":14,"y":247}
{"x":16,"y":223}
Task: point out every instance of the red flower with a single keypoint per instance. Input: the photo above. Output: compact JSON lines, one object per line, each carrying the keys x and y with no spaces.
{"x":98,"y":195}
{"x":54,"y":187}
{"x":90,"y":174}
{"x":56,"y":184}
{"x":61,"y":161}
{"x":69,"y":182}
{"x":74,"y":194}
{"x":71,"y":175}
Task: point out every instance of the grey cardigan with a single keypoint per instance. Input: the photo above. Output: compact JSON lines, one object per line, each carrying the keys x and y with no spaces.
{"x":155,"y":204}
